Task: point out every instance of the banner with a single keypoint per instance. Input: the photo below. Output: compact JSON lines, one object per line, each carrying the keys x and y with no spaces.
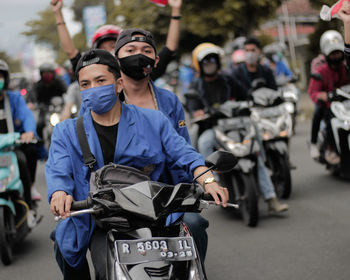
{"x":327,"y":13}
{"x":161,"y":3}
{"x":94,"y":17}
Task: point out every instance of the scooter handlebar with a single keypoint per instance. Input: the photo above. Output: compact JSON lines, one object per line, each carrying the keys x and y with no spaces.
{"x":80,"y":205}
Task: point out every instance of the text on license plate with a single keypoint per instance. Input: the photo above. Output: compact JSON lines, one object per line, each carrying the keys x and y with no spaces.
{"x":155,"y":249}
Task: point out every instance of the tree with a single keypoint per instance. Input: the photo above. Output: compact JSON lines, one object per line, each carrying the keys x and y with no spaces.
{"x":202,"y":20}
{"x":14,"y":64}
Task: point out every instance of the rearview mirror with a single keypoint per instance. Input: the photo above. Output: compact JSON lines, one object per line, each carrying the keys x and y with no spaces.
{"x":221,"y":161}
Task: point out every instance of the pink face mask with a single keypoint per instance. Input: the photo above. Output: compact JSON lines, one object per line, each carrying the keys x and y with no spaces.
{"x":47,"y":77}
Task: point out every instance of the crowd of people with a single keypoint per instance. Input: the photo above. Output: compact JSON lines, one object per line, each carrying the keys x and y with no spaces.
{"x":130,"y":121}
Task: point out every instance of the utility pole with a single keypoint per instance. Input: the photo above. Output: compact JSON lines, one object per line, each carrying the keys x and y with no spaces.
{"x":289,"y":34}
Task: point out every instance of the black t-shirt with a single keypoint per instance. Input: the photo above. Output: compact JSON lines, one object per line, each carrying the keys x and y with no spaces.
{"x":44,"y":92}
{"x":3,"y":123}
{"x":165,"y":56}
{"x":216,"y":92}
{"x":108,"y":137}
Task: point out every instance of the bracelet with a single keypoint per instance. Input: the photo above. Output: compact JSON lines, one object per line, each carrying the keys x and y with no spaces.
{"x":209,"y":181}
{"x":176,"y":17}
{"x":59,"y":23}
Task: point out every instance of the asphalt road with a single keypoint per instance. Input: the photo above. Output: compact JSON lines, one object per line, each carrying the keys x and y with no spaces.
{"x":310,"y":241}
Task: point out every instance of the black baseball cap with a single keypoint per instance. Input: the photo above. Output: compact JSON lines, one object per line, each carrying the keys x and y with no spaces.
{"x":97,"y":56}
{"x":128,"y":35}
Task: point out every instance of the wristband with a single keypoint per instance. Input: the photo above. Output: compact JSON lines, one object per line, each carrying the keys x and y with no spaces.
{"x":176,"y":17}
{"x":59,"y":23}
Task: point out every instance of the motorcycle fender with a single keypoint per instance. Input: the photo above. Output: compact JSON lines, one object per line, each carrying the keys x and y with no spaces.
{"x":245,"y":165}
{"x":279,"y":146}
{"x":9,"y":204}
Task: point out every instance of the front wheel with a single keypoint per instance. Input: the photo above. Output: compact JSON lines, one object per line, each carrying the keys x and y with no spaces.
{"x":6,"y":229}
{"x":248,"y":199}
{"x":281,"y":176}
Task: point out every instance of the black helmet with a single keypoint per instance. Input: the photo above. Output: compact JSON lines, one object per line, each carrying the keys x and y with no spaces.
{"x":4,"y":68}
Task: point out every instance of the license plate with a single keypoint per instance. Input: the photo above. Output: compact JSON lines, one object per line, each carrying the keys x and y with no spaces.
{"x":5,"y":161}
{"x":155,"y":249}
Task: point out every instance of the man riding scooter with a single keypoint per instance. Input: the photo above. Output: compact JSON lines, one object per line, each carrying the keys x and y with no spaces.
{"x":15,"y":116}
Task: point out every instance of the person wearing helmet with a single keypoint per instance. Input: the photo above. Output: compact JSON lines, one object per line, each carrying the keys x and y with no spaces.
{"x":330,"y":75}
{"x":44,"y":90}
{"x":105,"y":37}
{"x":19,"y":118}
{"x":252,"y":69}
{"x":213,"y":89}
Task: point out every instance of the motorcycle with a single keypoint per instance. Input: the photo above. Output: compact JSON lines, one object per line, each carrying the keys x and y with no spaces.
{"x":139,"y":246}
{"x":50,"y":116}
{"x":13,"y":208}
{"x":275,"y":124}
{"x":237,"y":134}
{"x":340,"y":123}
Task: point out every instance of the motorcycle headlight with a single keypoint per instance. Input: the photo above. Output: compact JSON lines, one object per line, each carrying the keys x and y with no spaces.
{"x":239,"y":149}
{"x":54,"y":119}
{"x":74,"y":109}
{"x":289,"y":107}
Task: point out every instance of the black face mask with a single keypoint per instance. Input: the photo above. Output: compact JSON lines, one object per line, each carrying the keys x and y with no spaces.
{"x":136,"y":66}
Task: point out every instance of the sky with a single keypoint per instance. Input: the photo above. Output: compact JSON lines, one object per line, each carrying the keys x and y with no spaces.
{"x":13,"y":16}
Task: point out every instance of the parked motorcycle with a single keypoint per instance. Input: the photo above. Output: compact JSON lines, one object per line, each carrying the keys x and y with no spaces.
{"x":340,"y":122}
{"x":139,"y":246}
{"x":275,"y":126}
{"x":237,"y":134}
{"x":13,"y":208}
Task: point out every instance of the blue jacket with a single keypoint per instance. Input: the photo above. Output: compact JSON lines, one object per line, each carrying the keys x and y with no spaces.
{"x":23,"y":118}
{"x":145,"y":137}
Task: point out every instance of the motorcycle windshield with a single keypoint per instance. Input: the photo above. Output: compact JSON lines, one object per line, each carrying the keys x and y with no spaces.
{"x":151,"y":200}
{"x":266,"y":97}
{"x":235,"y":108}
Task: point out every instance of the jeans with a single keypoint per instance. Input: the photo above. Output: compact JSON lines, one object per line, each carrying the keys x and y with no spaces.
{"x":206,"y":143}
{"x":206,"y":146}
{"x":319,"y":113}
{"x":198,"y":225}
{"x":68,"y":272}
{"x":266,"y":186}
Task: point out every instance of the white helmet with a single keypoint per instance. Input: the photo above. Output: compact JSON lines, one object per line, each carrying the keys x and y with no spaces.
{"x":331,"y":41}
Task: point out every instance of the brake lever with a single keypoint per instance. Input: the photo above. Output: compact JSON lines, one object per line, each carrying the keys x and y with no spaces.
{"x":77,"y":213}
{"x":204,"y":204}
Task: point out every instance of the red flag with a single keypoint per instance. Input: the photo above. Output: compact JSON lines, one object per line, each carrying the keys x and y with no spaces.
{"x":327,"y":13}
{"x":161,"y":3}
